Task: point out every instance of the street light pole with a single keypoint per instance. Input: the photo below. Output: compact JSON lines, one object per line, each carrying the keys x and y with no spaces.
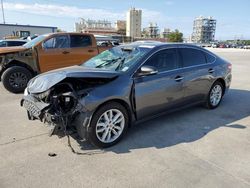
{"x":3,"y":11}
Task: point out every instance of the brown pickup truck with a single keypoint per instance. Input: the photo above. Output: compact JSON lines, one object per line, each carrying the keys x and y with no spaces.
{"x":46,"y":52}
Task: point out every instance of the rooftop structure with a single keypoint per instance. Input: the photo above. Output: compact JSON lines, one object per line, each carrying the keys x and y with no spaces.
{"x":152,"y":31}
{"x":204,"y":29}
{"x":101,"y":27}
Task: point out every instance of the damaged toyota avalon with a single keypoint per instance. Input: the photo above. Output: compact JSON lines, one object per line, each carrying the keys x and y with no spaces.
{"x":125,"y":85}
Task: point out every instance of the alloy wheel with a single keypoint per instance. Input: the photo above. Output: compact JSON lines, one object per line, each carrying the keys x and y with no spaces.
{"x":216,"y":95}
{"x":110,"y":125}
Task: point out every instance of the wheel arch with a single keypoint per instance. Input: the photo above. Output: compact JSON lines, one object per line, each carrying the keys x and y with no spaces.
{"x":222,"y":81}
{"x":121,"y":102}
{"x":20,"y":64}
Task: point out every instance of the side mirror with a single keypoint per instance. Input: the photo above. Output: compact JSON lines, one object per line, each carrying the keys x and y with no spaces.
{"x":147,"y":70}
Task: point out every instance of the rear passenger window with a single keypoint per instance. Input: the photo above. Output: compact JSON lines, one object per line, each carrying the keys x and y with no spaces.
{"x":192,"y":57}
{"x":80,"y":41}
{"x":210,"y":58}
{"x":164,"y":60}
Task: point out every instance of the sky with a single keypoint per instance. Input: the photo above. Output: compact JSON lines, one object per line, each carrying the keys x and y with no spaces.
{"x":233,"y":19}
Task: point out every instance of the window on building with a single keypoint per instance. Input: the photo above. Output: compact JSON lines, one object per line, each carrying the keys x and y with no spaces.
{"x":24,"y":33}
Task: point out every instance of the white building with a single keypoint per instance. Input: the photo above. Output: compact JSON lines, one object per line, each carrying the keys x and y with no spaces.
{"x":99,"y":27}
{"x":204,"y":29}
{"x":17,"y":31}
{"x":133,"y":28}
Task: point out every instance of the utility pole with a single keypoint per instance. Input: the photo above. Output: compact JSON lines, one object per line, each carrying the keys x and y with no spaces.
{"x":2,"y":11}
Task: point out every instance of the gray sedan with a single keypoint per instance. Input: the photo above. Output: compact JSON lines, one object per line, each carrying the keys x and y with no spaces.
{"x":125,"y":85}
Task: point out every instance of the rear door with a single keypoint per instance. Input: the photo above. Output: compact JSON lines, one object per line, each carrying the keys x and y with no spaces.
{"x":156,"y":93}
{"x":82,"y":48}
{"x":198,"y":74}
{"x":54,"y":53}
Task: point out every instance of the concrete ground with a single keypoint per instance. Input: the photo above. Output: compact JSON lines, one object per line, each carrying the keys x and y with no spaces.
{"x":191,"y":148}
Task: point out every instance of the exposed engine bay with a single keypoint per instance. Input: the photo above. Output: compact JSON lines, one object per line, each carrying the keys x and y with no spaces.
{"x":62,"y":103}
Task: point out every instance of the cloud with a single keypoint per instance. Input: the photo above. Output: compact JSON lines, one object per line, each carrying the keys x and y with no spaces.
{"x":61,"y":11}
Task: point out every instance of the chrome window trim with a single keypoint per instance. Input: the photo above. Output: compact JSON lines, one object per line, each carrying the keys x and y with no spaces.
{"x":177,"y":47}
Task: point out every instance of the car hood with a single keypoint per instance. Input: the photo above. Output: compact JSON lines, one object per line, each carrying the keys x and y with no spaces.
{"x":5,"y":50}
{"x":45,"y":81}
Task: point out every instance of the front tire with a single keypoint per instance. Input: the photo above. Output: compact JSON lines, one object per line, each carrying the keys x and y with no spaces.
{"x":108,"y":125}
{"x":215,"y":95}
{"x":16,"y":78}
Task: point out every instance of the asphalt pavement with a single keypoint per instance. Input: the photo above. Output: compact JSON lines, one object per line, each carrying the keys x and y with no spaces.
{"x":194,"y":147}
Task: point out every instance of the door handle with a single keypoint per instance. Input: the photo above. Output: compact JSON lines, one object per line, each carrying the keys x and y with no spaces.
{"x":90,"y":50}
{"x":65,"y":52}
{"x":211,"y":71}
{"x":178,"y":78}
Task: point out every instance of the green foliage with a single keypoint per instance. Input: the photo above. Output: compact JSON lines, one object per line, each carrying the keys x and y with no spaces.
{"x":175,"y":36}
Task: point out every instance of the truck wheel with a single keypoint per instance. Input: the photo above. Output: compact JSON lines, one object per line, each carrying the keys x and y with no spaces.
{"x":15,"y":79}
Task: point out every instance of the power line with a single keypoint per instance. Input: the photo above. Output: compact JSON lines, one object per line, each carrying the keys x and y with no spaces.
{"x":3,"y":11}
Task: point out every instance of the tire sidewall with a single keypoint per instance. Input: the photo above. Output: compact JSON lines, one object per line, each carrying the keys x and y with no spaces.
{"x":209,"y":105}
{"x":7,"y":73}
{"x":91,"y":131}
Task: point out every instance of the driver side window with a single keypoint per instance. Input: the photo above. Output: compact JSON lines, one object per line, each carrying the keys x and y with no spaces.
{"x":61,"y":41}
{"x":165,"y":60}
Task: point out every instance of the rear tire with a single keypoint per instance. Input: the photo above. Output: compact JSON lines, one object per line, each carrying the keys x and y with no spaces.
{"x":111,"y":120}
{"x":215,"y":95}
{"x":16,"y":78}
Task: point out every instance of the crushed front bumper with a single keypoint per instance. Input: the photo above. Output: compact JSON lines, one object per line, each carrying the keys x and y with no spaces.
{"x":56,"y":122}
{"x":40,"y":110}
{"x":34,"y":107}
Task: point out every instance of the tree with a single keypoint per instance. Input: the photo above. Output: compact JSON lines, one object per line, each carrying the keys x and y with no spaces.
{"x":175,"y":36}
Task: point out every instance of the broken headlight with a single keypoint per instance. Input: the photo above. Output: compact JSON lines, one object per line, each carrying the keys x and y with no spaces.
{"x":42,"y":95}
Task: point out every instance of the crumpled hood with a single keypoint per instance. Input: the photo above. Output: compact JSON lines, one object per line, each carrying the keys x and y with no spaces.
{"x":45,"y":81}
{"x":5,"y":50}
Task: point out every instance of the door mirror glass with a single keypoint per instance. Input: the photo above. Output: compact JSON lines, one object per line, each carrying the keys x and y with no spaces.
{"x":147,"y":70}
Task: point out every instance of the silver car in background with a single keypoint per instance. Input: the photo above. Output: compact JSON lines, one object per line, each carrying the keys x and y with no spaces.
{"x":126,"y":85}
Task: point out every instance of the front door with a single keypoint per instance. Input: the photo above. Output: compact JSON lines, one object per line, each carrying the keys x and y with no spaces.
{"x":54,"y":53}
{"x":159,"y":92}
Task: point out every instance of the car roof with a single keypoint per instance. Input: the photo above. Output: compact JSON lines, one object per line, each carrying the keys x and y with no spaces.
{"x":156,"y":44}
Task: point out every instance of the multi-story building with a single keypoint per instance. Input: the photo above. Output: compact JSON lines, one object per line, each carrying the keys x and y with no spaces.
{"x":152,"y":31}
{"x":133,"y":28}
{"x":165,"y":33}
{"x":204,"y":29}
{"x":120,"y":26}
{"x":100,"y":27}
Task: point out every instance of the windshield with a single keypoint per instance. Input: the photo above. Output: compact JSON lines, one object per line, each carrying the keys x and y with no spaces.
{"x":117,"y":59}
{"x":36,"y":40}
